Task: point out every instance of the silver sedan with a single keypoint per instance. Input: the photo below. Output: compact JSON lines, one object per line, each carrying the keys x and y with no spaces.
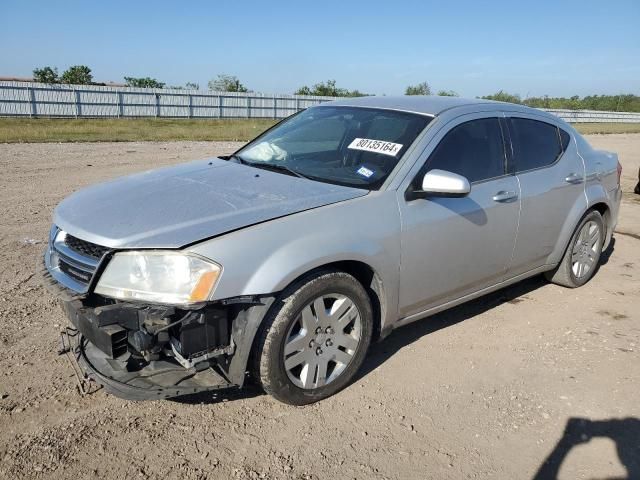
{"x":288,"y":258}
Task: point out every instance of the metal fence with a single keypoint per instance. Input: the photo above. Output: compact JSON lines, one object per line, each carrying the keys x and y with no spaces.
{"x":27,"y":99}
{"x":594,"y":116}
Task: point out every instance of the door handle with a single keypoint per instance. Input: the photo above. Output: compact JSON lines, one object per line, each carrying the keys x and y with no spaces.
{"x":504,"y":196}
{"x":574,"y":178}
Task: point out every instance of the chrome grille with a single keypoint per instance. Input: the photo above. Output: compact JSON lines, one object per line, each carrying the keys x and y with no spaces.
{"x":72,"y":261}
{"x":77,"y":274}
{"x":85,"y":248}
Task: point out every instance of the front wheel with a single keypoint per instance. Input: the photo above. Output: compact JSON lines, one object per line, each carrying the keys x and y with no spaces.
{"x":315,"y":340}
{"x":582,"y":257}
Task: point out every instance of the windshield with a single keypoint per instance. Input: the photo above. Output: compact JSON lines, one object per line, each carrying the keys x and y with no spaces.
{"x":356,"y":147}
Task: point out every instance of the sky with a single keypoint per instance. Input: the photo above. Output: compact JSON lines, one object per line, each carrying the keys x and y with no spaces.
{"x":474,"y":47}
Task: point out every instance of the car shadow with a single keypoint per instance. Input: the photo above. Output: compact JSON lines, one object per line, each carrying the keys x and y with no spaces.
{"x":403,"y":336}
{"x":606,"y":254}
{"x":625,"y":432}
{"x":212,"y":397}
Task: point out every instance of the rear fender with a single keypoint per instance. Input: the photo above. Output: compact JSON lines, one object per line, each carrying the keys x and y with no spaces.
{"x":575,"y":214}
{"x":594,"y":194}
{"x":597,"y":194}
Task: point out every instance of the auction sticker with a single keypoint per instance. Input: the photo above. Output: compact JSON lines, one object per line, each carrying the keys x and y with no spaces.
{"x":375,"y":146}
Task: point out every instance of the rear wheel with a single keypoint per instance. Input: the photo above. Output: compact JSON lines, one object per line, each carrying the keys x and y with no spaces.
{"x":312,"y":345}
{"x":582,"y":257}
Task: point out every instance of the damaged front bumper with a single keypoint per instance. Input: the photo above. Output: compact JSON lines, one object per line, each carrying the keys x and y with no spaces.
{"x":157,"y":380}
{"x":145,"y":351}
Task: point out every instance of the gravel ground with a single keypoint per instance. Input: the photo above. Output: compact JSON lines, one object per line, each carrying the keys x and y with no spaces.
{"x":487,"y":397}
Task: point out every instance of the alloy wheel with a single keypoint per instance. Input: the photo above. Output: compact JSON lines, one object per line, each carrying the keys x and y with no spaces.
{"x":584,"y":254}
{"x":322,"y":341}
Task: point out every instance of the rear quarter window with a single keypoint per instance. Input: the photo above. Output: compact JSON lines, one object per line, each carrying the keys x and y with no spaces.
{"x":535,"y":144}
{"x":565,"y":138}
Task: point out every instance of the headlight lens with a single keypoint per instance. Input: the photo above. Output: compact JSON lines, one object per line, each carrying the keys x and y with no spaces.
{"x":161,"y":277}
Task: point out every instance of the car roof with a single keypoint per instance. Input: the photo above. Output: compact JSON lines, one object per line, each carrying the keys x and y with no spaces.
{"x":424,"y":104}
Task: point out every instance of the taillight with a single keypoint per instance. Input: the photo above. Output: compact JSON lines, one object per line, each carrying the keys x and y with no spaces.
{"x":619,"y":171}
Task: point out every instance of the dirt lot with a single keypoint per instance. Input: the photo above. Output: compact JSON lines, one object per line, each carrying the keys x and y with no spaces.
{"x":483,"y":391}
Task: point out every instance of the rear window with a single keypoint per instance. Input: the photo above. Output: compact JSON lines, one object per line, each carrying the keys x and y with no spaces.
{"x":535,"y":144}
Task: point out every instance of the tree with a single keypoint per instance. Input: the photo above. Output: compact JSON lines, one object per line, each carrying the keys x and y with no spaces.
{"x":187,"y":86}
{"x":227,"y":83}
{"x":143,"y":82}
{"x":303,"y":91}
{"x":77,"y":75}
{"x":46,"y":75}
{"x":503,"y":96}
{"x":328,"y":89}
{"x":447,"y":93}
{"x":620,"y":103}
{"x":420,"y":89}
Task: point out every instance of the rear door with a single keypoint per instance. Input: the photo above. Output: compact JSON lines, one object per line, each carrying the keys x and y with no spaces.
{"x":551,"y":177}
{"x":455,"y":246}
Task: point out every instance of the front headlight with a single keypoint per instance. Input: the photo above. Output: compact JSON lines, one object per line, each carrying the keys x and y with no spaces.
{"x":161,"y":277}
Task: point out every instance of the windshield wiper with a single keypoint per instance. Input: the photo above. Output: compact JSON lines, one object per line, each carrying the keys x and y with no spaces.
{"x":235,"y":157}
{"x":275,"y":168}
{"x":278,"y":168}
{"x":266,"y":166}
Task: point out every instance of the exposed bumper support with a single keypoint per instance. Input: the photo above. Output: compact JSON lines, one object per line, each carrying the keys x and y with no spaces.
{"x":157,"y":383}
{"x":218,"y":340}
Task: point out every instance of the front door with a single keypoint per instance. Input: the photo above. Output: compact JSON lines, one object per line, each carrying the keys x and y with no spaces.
{"x":452,"y":247}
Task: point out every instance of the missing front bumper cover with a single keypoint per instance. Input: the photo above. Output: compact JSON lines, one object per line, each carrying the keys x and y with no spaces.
{"x":103,"y":348}
{"x":214,"y":343}
{"x":69,"y":338}
{"x":157,"y":380}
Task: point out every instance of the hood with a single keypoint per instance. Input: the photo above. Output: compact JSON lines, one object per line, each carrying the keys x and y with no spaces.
{"x":175,"y":206}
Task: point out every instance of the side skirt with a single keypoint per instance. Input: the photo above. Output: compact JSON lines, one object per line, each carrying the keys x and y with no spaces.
{"x":471,"y":296}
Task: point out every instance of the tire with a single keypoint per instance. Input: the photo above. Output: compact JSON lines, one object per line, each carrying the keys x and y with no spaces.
{"x":290,"y":355}
{"x":582,"y":257}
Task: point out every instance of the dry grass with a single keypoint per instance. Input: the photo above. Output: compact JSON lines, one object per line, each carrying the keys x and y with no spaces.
{"x":27,"y":130}
{"x":606,"y":128}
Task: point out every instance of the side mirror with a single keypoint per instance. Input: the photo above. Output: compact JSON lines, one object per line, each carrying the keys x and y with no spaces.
{"x":440,"y":183}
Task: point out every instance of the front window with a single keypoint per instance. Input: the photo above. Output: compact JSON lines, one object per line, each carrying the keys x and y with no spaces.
{"x":473,"y":149}
{"x":356,"y":147}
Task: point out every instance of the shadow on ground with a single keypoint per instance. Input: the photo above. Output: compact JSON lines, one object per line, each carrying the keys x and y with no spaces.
{"x":606,"y":254}
{"x":400,"y":338}
{"x":249,"y":390}
{"x":625,"y":432}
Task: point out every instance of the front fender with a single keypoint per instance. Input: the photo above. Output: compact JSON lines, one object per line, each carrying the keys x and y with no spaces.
{"x":265,"y":258}
{"x":308,"y":252}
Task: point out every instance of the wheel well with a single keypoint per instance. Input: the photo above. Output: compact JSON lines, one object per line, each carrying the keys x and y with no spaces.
{"x":600,"y":207}
{"x":603,"y":209}
{"x":371,"y":282}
